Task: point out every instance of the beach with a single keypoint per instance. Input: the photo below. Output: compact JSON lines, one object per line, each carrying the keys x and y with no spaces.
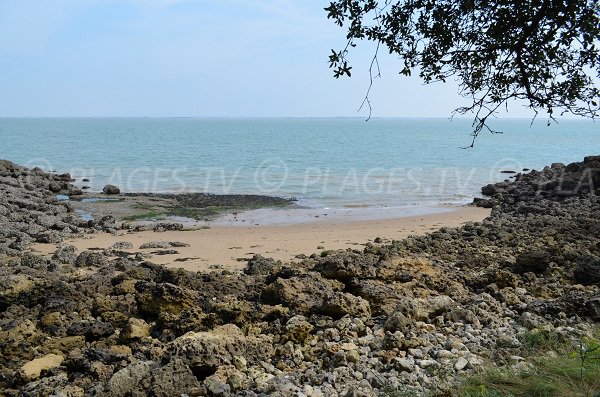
{"x":232,"y":240}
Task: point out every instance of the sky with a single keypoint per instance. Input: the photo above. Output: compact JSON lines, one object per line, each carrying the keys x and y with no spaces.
{"x":194,"y":58}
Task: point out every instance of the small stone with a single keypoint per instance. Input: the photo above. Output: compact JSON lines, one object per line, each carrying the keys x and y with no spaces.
{"x":427,"y":363}
{"x":404,"y":364}
{"x":352,"y":356}
{"x":461,"y":364}
{"x":240,"y":363}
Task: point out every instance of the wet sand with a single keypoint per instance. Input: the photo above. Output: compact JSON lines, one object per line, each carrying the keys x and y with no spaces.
{"x":233,"y":239}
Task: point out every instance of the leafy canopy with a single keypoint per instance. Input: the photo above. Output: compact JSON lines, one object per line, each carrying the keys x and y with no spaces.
{"x":545,"y":52}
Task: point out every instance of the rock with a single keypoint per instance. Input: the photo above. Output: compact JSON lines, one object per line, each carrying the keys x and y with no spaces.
{"x":165,"y":252}
{"x":19,"y":288}
{"x":91,"y":259}
{"x":122,"y":245}
{"x":593,"y":306}
{"x":483,"y":203}
{"x":92,"y":330}
{"x":345,"y":266}
{"x":217,"y":388}
{"x":166,"y":226}
{"x":54,"y":187}
{"x":135,"y":329}
{"x":65,"y":254}
{"x":48,"y":238}
{"x":261,"y":266}
{"x":397,"y":322}
{"x":298,"y":329}
{"x":530,"y":320}
{"x":107,"y":221}
{"x":461,"y":364}
{"x":535,"y":261}
{"x":206,"y":351}
{"x":427,"y":363}
{"x":404,"y":364}
{"x":164,"y":298}
{"x":588,"y":271}
{"x":340,"y":304}
{"x":63,"y":345}
{"x":172,"y":379}
{"x":111,"y":189}
{"x":305,"y":293}
{"x":163,"y":244}
{"x":32,"y":369}
{"x":352,"y":356}
{"x":126,"y":380}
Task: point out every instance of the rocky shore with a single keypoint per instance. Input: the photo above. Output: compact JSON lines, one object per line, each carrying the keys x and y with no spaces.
{"x":413,"y":316}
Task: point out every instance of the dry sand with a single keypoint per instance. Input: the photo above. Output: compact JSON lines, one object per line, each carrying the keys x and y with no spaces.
{"x":231,"y":245}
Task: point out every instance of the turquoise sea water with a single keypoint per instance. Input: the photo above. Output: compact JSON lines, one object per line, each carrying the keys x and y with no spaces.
{"x":323,"y":162}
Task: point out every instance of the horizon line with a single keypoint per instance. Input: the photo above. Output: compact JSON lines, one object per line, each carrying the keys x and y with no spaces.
{"x":449,"y":118}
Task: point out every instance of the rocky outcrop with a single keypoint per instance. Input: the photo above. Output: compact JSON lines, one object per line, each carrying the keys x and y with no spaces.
{"x":30,"y":210}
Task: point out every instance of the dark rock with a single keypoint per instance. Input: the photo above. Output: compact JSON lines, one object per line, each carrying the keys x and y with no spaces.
{"x":165,"y":252}
{"x":536,"y":261}
{"x":345,"y":266}
{"x":163,"y":244}
{"x":107,"y":221}
{"x":48,"y":238}
{"x":65,"y":254}
{"x":593,"y":306}
{"x":92,"y":330}
{"x":168,"y":226}
{"x":54,"y":187}
{"x":261,"y":266}
{"x":122,"y":245}
{"x":91,"y":258}
{"x":111,"y":189}
{"x":155,"y":299}
{"x":483,"y":203}
{"x":588,"y":271}
{"x":75,"y":192}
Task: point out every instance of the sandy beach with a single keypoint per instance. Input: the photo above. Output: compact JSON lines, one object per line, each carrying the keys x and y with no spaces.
{"x":233,"y":239}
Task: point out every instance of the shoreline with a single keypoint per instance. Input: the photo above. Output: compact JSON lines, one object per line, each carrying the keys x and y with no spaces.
{"x":231,"y":243}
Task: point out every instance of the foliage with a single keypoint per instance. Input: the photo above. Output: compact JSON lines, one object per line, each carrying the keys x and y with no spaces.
{"x":570,"y":371}
{"x":544,"y":52}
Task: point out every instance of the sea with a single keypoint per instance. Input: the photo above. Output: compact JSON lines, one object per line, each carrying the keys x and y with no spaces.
{"x":321,"y":162}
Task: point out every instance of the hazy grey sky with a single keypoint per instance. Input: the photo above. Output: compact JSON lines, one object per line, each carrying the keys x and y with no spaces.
{"x":192,"y":58}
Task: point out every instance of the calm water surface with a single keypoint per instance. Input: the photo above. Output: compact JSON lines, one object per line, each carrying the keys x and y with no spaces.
{"x":323,"y":162}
